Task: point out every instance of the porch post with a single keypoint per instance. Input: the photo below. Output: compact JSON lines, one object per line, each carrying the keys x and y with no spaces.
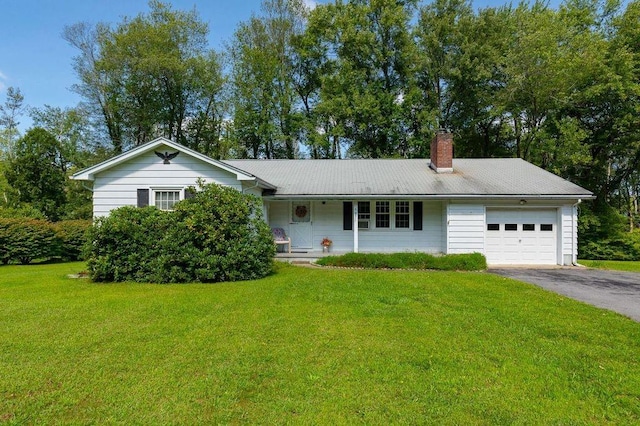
{"x":355,"y":226}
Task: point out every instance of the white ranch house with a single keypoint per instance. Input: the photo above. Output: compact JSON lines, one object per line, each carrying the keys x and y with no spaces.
{"x":508,"y":209}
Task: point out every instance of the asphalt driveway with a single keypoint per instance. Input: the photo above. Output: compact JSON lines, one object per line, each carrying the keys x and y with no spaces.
{"x":613,"y":290}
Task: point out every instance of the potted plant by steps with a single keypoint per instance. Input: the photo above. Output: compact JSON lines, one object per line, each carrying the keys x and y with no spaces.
{"x":326,"y":243}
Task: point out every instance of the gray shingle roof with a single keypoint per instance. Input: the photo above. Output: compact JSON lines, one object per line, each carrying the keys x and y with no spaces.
{"x":502,"y":177}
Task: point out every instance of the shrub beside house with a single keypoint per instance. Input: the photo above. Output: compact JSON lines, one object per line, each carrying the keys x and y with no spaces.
{"x":216,"y":235}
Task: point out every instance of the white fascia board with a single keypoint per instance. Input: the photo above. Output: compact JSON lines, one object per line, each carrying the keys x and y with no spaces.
{"x":566,"y":197}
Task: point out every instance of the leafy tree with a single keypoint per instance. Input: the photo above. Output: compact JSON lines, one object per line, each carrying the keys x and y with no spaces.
{"x":73,"y":130}
{"x":475,"y":82}
{"x":310,"y":62}
{"x":37,"y":172}
{"x":440,"y":40}
{"x":367,"y":92}
{"x":95,"y":86}
{"x":266,"y":118}
{"x":9,"y":198}
{"x":150,"y":76}
{"x":9,"y":114}
{"x":80,"y":146}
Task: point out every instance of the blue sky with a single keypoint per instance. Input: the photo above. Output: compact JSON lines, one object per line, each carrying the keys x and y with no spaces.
{"x":35,"y":58}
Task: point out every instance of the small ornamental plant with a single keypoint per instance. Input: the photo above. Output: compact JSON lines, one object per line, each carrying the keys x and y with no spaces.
{"x":326,"y":242}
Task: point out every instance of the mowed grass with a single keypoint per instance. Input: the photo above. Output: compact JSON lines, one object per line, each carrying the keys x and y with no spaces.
{"x":616,"y":265}
{"x":310,"y":346}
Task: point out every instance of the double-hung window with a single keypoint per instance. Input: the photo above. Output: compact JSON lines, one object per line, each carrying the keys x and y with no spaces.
{"x":402,"y":214}
{"x":383,"y":214}
{"x":387,"y":215}
{"x":166,"y":199}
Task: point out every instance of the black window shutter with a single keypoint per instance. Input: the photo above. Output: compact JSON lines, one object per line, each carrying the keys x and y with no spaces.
{"x":143,"y":197}
{"x":347,"y":216}
{"x":189,"y":193}
{"x":417,"y":215}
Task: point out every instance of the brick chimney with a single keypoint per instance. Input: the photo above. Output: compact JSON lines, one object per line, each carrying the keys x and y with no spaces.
{"x":442,"y":152}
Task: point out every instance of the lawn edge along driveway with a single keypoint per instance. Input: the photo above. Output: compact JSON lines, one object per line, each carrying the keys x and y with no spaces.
{"x":614,"y":290}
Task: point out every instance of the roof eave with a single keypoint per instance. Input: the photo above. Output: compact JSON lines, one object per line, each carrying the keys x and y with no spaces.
{"x":588,"y":196}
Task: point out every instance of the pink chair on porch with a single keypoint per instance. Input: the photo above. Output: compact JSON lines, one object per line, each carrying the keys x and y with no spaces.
{"x":280,"y":237}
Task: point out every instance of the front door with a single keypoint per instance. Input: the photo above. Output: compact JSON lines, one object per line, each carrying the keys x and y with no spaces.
{"x":300,"y":225}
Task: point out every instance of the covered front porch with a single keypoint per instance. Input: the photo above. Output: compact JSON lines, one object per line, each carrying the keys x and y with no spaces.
{"x":363,"y":224}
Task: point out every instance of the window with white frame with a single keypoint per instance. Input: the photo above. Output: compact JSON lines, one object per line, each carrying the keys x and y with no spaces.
{"x":402,"y":214}
{"x":166,"y":199}
{"x":383,"y":214}
{"x":364,"y":214}
{"x":386,"y":215}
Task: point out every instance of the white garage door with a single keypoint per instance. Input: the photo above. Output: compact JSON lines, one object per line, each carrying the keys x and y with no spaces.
{"x":521,"y":237}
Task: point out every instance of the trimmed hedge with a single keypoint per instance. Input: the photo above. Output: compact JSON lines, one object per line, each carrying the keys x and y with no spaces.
{"x":218,"y":235}
{"x":449,"y":262}
{"x":23,"y":240}
{"x":71,"y":239}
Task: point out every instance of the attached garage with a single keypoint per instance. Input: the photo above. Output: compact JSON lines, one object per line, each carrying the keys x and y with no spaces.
{"x":523,"y":236}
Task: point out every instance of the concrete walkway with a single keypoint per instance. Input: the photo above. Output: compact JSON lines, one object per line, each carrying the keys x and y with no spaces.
{"x":613,"y":290}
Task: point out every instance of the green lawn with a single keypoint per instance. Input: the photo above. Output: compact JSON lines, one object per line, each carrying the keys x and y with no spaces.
{"x":310,"y":346}
{"x":612,"y":264}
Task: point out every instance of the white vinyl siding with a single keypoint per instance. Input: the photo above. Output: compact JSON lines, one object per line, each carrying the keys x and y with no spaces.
{"x":116,"y":187}
{"x":465,"y":228}
{"x":569,"y":234}
{"x":429,"y":240}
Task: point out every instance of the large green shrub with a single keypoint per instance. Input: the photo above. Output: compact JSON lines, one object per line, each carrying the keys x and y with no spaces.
{"x":25,"y":239}
{"x":125,"y":245}
{"x":218,"y":235}
{"x":71,"y":238}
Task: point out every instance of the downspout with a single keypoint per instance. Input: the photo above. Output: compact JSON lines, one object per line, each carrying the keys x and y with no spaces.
{"x":356,"y":243}
{"x":264,"y":206}
{"x":254,"y":186}
{"x":574,"y":233}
